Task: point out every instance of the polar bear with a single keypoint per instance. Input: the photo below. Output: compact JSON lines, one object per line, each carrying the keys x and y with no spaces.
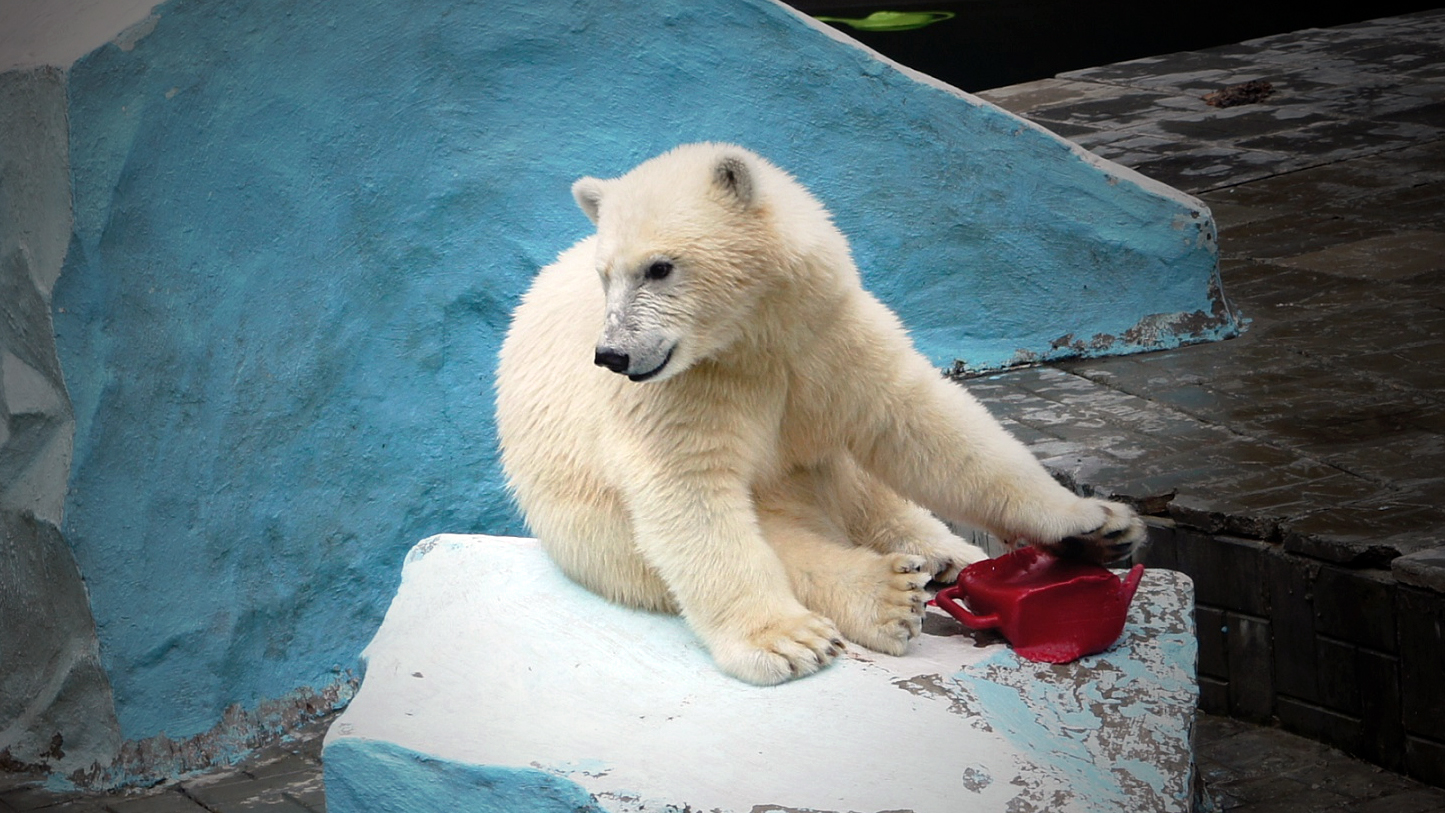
{"x":702,"y":411}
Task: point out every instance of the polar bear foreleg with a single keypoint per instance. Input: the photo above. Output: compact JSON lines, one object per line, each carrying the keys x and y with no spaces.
{"x":706,"y":544}
{"x":940,"y":447}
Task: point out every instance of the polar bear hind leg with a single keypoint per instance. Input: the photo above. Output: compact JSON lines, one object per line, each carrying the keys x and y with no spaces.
{"x":876,"y":599}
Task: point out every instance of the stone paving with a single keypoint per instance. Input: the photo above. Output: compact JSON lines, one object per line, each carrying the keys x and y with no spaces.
{"x":1257,"y":769}
{"x":1307,"y":456}
{"x":282,"y":778}
{"x":1320,"y":430}
{"x":1324,"y":423}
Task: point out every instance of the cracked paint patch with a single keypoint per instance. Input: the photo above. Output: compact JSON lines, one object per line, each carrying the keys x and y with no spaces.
{"x":1156,"y":331}
{"x":240,"y":731}
{"x":1159,"y":329}
{"x":938,"y":687}
{"x":1106,"y":741}
{"x":591,"y":768}
{"x":976,"y":778}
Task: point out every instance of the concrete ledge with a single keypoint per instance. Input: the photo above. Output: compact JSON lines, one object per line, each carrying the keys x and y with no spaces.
{"x":1345,"y":655}
{"x":493,"y":676}
{"x":1319,"y":574}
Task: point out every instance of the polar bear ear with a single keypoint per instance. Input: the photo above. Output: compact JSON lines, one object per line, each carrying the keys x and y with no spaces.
{"x":588,"y":194}
{"x":732,"y":175}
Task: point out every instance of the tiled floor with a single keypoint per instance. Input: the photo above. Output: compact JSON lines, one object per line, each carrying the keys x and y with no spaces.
{"x":1255,"y":769}
{"x":1327,"y":415}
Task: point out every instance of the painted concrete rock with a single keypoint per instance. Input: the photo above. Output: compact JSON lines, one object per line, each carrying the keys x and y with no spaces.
{"x":299,"y":230}
{"x":497,"y":684}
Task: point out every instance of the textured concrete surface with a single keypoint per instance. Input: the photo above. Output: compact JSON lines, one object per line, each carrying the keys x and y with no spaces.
{"x":281,"y":778}
{"x":494,"y":677}
{"x":1247,"y":768}
{"x":36,"y":425}
{"x":1297,"y":470}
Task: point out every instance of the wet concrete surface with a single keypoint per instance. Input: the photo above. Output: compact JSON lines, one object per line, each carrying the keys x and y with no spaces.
{"x":1317,"y":437}
{"x":1321,"y":428}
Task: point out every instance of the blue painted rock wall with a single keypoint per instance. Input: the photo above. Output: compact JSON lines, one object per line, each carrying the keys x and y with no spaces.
{"x":300,"y":229}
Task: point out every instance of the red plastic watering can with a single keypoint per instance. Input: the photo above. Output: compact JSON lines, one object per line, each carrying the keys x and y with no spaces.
{"x":1052,"y":610}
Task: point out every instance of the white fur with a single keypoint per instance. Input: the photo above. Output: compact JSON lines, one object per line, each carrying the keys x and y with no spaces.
{"x":765,"y":478}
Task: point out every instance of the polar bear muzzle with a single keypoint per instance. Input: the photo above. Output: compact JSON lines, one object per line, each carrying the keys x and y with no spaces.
{"x":622,"y":363}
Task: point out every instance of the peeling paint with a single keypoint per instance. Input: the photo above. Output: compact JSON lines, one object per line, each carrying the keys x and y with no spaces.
{"x":1158,"y":331}
{"x":146,"y":762}
{"x":976,"y":778}
{"x":127,"y":39}
{"x":1160,"y":328}
{"x":1099,"y":721}
{"x":934,"y":686}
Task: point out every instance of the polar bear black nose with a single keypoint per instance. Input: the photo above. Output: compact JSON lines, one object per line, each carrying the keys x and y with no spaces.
{"x":616,"y":362}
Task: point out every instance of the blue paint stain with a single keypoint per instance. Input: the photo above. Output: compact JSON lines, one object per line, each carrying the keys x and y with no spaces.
{"x":371,"y":776}
{"x":1148,"y":773}
{"x":1060,"y":718}
{"x":299,"y":234}
{"x":1065,"y":750}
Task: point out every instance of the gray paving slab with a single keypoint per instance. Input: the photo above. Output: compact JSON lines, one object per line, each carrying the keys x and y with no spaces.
{"x":1328,"y":414}
{"x":169,"y":801}
{"x":280,"y":793}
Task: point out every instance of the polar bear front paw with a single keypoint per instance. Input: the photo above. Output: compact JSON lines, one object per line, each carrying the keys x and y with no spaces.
{"x":1112,"y":541}
{"x":948,"y":555}
{"x":780,"y":649}
{"x":944,"y":553}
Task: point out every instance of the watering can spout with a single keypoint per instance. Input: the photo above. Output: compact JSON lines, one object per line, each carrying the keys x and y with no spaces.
{"x":1131,"y":583}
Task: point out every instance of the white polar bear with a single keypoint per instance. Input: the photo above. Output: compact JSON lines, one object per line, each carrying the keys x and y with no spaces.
{"x":702,"y":411}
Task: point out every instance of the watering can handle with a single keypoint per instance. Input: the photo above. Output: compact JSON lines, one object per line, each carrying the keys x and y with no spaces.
{"x":944,"y":599}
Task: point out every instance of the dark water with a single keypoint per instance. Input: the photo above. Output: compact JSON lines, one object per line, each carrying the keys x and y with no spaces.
{"x":992,"y":43}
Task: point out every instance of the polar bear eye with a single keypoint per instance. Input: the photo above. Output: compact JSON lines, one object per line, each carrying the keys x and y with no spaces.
{"x":658,"y":270}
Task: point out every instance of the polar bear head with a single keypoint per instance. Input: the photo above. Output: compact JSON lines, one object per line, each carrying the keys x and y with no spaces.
{"x":688,"y":245}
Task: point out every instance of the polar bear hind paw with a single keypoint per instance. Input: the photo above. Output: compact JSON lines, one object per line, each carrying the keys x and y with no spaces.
{"x":890,"y":614}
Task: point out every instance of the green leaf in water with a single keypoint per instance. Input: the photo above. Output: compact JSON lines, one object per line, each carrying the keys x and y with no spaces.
{"x":892,"y":20}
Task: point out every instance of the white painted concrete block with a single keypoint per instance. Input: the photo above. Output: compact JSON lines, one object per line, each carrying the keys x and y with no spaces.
{"x":495,"y":683}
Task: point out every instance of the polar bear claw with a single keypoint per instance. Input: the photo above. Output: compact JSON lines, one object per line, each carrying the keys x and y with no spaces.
{"x":780,"y":649}
{"x":1113,"y":541}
